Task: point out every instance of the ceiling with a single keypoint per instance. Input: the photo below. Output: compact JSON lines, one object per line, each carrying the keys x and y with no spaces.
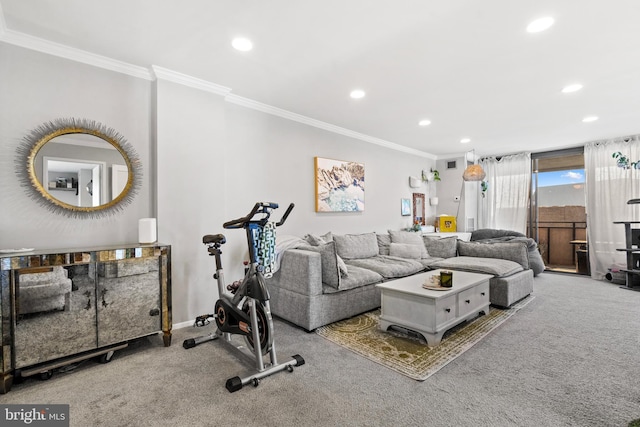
{"x":468,"y":66}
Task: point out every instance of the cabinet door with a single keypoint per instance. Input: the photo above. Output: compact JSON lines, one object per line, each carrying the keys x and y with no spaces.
{"x":128,"y":299}
{"x":55,"y":313}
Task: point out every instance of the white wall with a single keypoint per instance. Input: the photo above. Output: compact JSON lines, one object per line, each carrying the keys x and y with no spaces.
{"x":205,"y":161}
{"x":216,"y":159}
{"x":36,"y":88}
{"x":449,"y":187}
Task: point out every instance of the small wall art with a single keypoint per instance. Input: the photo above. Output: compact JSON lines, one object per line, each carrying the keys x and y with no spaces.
{"x":405,"y":207}
{"x":339,"y":185}
{"x":418,"y":208}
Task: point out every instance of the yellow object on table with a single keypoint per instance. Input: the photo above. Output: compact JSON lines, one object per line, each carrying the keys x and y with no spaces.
{"x":447,"y":223}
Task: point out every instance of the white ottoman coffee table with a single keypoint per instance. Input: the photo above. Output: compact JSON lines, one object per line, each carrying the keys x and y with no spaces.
{"x":431,"y":313}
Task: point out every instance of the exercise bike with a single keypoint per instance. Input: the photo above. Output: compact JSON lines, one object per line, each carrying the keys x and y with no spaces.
{"x":244,"y":310}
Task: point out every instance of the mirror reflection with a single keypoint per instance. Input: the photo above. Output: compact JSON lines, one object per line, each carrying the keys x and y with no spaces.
{"x":81,"y":170}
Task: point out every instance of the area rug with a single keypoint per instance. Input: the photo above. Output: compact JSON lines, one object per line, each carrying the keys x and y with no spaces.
{"x":406,"y":352}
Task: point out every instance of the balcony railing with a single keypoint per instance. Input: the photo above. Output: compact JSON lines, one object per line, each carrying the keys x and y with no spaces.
{"x":555,"y":241}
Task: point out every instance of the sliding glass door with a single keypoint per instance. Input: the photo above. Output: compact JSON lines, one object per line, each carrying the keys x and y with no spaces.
{"x":557,"y":216}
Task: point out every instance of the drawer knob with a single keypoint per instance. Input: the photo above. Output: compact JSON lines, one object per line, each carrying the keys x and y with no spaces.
{"x":448,"y":310}
{"x":482,"y":293}
{"x":468,"y":301}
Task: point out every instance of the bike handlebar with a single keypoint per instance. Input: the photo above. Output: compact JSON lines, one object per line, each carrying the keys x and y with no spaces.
{"x":258,"y":208}
{"x":286,"y":214}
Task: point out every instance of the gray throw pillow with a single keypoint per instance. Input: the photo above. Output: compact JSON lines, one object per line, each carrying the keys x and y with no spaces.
{"x":441,"y":247}
{"x":405,"y":250}
{"x":384,"y":240}
{"x":409,"y":237}
{"x":315,"y":240}
{"x":356,"y":246}
{"x":329,"y":262}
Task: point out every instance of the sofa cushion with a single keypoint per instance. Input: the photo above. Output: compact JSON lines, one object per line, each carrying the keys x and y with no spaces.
{"x":405,"y":250}
{"x":409,"y":237}
{"x":387,"y":266}
{"x":428,"y":262}
{"x":445,"y":247}
{"x":490,"y":233}
{"x":358,"y":277}
{"x":315,"y":240}
{"x":329,"y":261}
{"x":535,"y":259}
{"x":384,"y":240}
{"x":514,"y":251}
{"x":497,"y":267}
{"x":356,"y":246}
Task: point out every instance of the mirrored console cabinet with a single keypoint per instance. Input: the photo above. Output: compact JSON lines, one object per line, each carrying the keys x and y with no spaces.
{"x":63,"y":306}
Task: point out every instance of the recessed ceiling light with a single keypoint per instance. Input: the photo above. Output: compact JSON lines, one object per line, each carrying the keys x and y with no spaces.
{"x":425,"y":122}
{"x":242,"y":44}
{"x":465,"y":140}
{"x":540,"y":24}
{"x":572,"y":88}
{"x":590,"y":119}
{"x":357,"y":94}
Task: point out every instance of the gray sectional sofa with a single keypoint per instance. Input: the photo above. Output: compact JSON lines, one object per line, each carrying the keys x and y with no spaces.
{"x":323,"y":279}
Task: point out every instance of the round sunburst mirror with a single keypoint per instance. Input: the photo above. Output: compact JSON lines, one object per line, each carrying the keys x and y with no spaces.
{"x":79,"y":168}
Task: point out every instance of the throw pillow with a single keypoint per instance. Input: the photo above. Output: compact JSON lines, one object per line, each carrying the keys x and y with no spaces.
{"x":405,"y":250}
{"x":409,"y":237}
{"x":384,"y":240}
{"x":356,"y":246}
{"x":329,"y":262}
{"x":315,"y":240}
{"x":441,"y":247}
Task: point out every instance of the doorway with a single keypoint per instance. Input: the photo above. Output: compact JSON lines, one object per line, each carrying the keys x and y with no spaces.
{"x":557,"y":215}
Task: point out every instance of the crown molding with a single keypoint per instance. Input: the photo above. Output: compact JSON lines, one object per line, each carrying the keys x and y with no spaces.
{"x":186,"y":80}
{"x":275,"y":111}
{"x":156,"y":72}
{"x":3,"y":23}
{"x":63,"y":51}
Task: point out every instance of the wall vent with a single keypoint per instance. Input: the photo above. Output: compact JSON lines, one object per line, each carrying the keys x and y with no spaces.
{"x":451,"y":164}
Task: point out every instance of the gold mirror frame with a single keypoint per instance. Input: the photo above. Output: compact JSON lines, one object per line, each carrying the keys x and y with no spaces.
{"x":38,"y":137}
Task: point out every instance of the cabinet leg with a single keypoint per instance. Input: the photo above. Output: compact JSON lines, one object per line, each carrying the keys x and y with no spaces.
{"x":6,"y":381}
{"x":166,"y":337}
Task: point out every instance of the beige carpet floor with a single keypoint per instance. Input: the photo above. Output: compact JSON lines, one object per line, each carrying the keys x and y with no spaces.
{"x":407,"y":352}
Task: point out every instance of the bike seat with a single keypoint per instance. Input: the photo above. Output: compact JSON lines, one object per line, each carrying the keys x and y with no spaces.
{"x":214,"y":238}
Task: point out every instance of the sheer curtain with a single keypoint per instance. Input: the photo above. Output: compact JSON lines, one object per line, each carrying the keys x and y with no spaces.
{"x":506,"y":201}
{"x":608,"y":189}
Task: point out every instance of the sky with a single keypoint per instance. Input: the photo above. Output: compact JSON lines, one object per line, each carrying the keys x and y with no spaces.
{"x":574,"y":176}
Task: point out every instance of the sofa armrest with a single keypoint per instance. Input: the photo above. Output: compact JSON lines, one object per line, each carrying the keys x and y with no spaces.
{"x":300,"y":271}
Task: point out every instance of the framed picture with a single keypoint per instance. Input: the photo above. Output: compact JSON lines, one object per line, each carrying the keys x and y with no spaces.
{"x":405,"y":207}
{"x":418,"y":208}
{"x":339,"y":185}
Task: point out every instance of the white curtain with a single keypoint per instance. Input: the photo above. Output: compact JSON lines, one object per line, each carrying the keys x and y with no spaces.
{"x":609,"y":187}
{"x":506,"y":201}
